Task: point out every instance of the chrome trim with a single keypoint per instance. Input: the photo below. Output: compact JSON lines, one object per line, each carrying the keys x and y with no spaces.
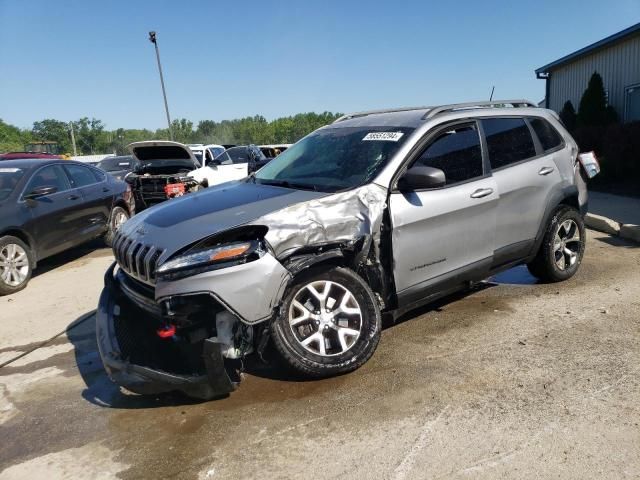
{"x":136,"y":259}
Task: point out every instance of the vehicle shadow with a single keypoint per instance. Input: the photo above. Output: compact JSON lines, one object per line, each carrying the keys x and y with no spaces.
{"x":93,"y":248}
{"x":101,"y":391}
{"x":618,"y":242}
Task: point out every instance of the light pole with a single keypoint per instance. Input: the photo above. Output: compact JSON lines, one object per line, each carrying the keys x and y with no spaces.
{"x":152,"y":39}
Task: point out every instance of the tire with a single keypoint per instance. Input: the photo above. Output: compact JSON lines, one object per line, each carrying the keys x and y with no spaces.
{"x":115,"y":220}
{"x":335,"y":348}
{"x":553,"y":262}
{"x":13,"y":279}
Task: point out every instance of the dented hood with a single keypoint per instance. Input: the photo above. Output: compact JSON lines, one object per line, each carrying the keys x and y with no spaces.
{"x":180,"y":222}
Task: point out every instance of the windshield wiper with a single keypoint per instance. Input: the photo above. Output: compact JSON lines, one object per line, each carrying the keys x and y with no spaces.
{"x":287,"y":184}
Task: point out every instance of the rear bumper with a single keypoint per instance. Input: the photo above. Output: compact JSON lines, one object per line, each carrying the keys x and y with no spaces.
{"x":145,"y":380}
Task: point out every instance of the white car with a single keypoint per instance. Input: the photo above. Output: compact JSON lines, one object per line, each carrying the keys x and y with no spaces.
{"x":205,"y":153}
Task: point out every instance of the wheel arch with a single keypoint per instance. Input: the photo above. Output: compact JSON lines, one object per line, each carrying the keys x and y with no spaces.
{"x":358,"y":256}
{"x":121,"y":203}
{"x":26,"y":238}
{"x":565,"y":196}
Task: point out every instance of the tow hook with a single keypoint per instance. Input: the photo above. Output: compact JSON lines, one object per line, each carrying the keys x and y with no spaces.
{"x":166,"y":331}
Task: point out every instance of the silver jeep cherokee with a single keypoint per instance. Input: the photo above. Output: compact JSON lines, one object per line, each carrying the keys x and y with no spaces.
{"x":375,"y":214}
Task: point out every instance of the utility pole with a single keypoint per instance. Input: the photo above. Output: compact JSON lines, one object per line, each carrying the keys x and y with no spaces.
{"x":152,"y":39}
{"x":73,"y":140}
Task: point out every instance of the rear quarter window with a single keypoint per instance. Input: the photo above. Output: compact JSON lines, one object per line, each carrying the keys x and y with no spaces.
{"x":548,"y":136}
{"x":508,"y":141}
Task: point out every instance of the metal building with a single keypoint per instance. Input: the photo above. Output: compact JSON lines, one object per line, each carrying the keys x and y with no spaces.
{"x":615,"y":58}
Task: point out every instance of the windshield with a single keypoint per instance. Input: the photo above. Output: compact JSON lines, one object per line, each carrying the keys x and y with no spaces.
{"x":334,"y":159}
{"x":114,"y":164}
{"x":9,"y":178}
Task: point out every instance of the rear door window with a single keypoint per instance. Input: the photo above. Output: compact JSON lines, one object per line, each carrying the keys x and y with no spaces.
{"x":508,"y":141}
{"x":457,"y":152}
{"x":548,"y":136}
{"x":51,"y":176}
{"x":80,"y":176}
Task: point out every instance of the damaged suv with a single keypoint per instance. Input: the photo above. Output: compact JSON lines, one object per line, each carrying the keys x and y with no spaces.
{"x":377,"y":213}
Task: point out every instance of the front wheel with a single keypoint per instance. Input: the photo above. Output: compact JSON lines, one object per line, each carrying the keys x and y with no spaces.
{"x":562,"y":247}
{"x":16,"y":261}
{"x":329,"y":323}
{"x":118,"y":216}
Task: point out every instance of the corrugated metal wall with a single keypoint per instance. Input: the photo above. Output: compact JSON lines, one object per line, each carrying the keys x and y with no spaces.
{"x":619,"y":66}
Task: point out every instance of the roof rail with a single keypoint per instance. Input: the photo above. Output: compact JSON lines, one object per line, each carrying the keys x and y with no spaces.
{"x":349,"y":116}
{"x":472,"y":105}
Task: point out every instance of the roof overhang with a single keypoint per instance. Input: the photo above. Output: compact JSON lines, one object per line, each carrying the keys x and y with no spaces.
{"x":605,"y":42}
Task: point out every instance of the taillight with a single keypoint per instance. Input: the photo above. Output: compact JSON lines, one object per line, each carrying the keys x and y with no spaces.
{"x":174,"y":189}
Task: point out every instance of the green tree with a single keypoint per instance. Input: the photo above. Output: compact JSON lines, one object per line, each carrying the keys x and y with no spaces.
{"x":90,"y":136}
{"x":13,"y":139}
{"x":593,"y":110}
{"x":53,"y":131}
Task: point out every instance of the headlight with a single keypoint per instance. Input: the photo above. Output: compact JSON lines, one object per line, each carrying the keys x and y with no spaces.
{"x":199,"y":261}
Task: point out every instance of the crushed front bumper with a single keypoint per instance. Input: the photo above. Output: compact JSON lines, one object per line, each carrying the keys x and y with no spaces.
{"x":143,"y":379}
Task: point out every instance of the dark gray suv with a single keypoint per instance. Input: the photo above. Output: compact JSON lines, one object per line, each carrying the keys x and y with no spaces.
{"x":377,"y":213}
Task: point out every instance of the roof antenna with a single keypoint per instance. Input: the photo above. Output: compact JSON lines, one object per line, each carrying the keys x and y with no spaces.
{"x":491,"y":96}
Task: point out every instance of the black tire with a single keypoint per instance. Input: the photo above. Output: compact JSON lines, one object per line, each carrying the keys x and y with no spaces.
{"x":113,"y":224}
{"x":545,"y":265}
{"x":5,"y":287}
{"x":357,"y":354}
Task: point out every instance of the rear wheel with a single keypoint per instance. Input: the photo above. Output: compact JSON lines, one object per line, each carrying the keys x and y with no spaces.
{"x":329,"y":323}
{"x":562,"y":248}
{"x":118,"y":216}
{"x":16,"y":260}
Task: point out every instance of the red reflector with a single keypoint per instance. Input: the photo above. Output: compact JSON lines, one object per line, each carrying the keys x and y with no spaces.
{"x":174,"y":189}
{"x":167,"y":331}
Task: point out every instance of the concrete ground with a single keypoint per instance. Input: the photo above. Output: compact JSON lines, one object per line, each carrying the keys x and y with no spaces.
{"x":512,"y":380}
{"x":616,"y":207}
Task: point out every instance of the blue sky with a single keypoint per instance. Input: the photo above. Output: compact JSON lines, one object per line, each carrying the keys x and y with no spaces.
{"x":228,"y":59}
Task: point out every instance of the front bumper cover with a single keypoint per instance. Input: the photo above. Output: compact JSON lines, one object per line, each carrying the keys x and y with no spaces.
{"x":142,"y":379}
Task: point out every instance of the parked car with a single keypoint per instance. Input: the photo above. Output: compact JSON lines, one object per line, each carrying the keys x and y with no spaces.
{"x":47,"y":206}
{"x":170,"y":169}
{"x":118,"y":167}
{"x":247,"y":158}
{"x":19,"y":155}
{"x":205,"y":153}
{"x":272,"y":151}
{"x":377,"y":213}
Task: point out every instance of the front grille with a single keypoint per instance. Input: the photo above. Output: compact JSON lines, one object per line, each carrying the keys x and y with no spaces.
{"x":137,"y":259}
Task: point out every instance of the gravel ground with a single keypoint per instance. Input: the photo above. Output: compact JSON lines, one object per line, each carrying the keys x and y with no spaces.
{"x":511,"y":380}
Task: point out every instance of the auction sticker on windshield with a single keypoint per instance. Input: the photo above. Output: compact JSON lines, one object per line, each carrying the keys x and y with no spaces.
{"x":383,"y":136}
{"x":10,"y":170}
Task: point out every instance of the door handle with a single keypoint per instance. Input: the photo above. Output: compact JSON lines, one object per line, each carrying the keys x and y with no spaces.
{"x":545,"y":170}
{"x":482,"y":192}
{"x":73,"y":197}
{"x":105,"y":189}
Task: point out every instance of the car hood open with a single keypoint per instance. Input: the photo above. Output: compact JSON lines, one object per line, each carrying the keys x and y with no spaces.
{"x":161,"y":150}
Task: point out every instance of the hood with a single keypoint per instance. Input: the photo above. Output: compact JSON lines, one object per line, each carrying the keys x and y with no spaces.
{"x":161,"y":150}
{"x":180,"y":222}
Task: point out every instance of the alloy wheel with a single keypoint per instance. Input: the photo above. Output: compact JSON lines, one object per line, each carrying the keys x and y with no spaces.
{"x":119,"y":218}
{"x":325,"y":318}
{"x":566,"y":244}
{"x":14,"y":265}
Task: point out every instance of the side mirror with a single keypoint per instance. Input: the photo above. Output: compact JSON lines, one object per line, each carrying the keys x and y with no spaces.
{"x":419,"y":178}
{"x":40,"y":192}
{"x":213,"y":163}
